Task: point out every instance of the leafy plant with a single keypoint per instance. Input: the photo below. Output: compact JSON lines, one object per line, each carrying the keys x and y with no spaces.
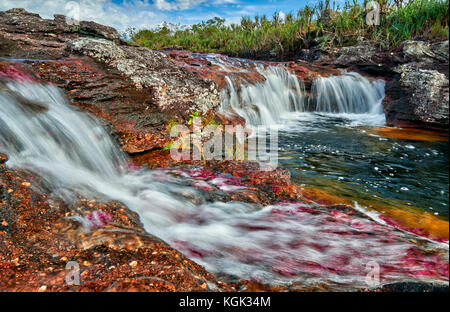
{"x":193,"y":115}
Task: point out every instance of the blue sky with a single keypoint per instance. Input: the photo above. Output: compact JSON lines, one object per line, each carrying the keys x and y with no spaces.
{"x":148,"y":13}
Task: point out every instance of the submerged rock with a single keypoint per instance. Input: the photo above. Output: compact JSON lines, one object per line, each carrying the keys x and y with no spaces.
{"x":43,"y":243}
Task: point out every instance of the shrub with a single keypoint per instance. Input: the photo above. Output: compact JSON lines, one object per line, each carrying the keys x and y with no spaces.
{"x":323,"y":24}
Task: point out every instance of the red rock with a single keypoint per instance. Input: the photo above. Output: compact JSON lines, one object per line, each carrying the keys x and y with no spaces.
{"x":37,"y":240}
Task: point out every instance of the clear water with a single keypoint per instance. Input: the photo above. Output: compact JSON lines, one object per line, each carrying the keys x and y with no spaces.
{"x":326,"y":142}
{"x":280,"y":244}
{"x":340,"y":156}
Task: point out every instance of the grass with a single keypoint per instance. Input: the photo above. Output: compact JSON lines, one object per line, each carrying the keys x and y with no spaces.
{"x":322,"y":25}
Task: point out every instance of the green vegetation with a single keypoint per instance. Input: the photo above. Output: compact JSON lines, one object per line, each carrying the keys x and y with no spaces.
{"x":322,"y":25}
{"x":194,"y":115}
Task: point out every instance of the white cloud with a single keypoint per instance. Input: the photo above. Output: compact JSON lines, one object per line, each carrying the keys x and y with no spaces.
{"x":177,"y":5}
{"x":163,"y":5}
{"x":233,"y":20}
{"x":137,"y":13}
{"x":181,"y":5}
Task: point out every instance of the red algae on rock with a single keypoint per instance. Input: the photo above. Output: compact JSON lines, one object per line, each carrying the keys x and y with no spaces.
{"x":15,"y":72}
{"x":330,"y":252}
{"x":41,"y":235}
{"x":316,"y":240}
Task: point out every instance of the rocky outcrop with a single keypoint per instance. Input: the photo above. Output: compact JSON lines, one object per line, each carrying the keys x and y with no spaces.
{"x":171,"y":85}
{"x":416,"y":73}
{"x":418,"y":98}
{"x":363,"y":53}
{"x":27,"y":35}
{"x":135,"y":91}
{"x":420,"y":51}
{"x":129,"y":113}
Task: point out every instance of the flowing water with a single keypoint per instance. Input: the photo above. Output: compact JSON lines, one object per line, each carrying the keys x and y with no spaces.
{"x":280,"y":244}
{"x":273,"y":101}
{"x":325,"y":140}
{"x":265,"y":103}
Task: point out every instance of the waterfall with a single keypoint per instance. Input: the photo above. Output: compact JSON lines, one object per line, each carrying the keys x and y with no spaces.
{"x":348,"y":93}
{"x":75,"y":154}
{"x":55,"y":139}
{"x":282,"y":93}
{"x":265,"y":103}
{"x":41,"y":132}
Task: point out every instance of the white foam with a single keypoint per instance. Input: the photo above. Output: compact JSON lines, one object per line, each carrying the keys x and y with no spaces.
{"x":280,"y":99}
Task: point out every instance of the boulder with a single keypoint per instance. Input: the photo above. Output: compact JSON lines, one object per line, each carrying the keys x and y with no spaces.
{"x":421,"y":51}
{"x":174,"y":87}
{"x":417,"y":98}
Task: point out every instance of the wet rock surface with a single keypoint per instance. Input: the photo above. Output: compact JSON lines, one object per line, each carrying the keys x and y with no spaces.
{"x":416,"y":74}
{"x":418,"y":98}
{"x":41,"y":235}
{"x":258,"y":187}
{"x":223,"y":69}
{"x":419,"y":93}
{"x":130,"y":113}
{"x":134,"y":90}
{"x":137,"y":92}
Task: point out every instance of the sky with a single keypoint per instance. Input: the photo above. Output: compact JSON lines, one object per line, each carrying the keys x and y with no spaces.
{"x":148,"y":13}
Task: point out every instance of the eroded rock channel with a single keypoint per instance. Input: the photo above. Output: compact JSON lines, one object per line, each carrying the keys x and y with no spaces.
{"x":86,"y":175}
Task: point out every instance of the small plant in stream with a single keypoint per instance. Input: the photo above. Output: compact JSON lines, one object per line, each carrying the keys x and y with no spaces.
{"x":193,"y":115}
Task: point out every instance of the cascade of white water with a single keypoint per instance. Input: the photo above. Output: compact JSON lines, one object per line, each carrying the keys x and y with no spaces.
{"x":282,"y":93}
{"x":73,"y":152}
{"x":265,"y":103}
{"x":348,"y":93}
{"x":58,"y":135}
